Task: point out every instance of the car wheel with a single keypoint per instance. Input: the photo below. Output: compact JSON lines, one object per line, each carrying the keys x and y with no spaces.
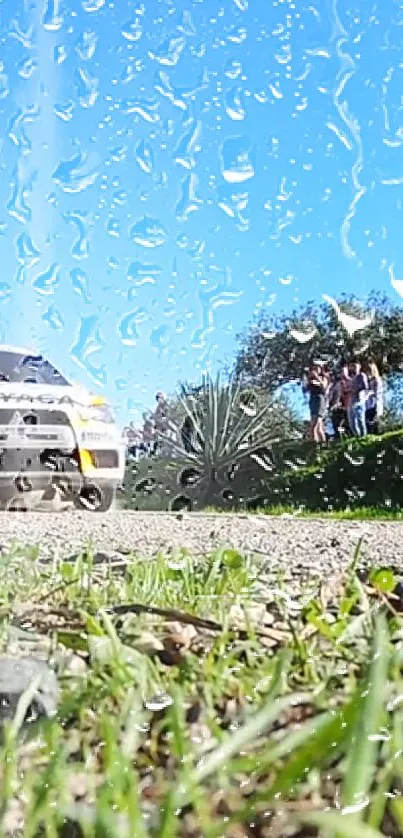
{"x":94,"y":498}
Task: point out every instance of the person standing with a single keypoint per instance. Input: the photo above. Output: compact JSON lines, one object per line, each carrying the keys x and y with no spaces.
{"x":346,"y":395}
{"x":337,"y":406}
{"x":374,"y":405}
{"x":358,"y":403}
{"x":316,"y":386}
{"x":187,"y":431}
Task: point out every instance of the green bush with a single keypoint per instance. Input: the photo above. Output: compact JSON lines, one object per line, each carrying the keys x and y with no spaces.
{"x":352,"y":474}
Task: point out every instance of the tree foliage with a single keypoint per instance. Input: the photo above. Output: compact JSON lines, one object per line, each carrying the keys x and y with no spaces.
{"x":275,"y":350}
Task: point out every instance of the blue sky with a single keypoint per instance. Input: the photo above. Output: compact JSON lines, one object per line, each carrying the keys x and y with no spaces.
{"x":171,"y":168}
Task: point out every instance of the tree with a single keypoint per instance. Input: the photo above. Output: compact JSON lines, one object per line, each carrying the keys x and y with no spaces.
{"x":275,"y":350}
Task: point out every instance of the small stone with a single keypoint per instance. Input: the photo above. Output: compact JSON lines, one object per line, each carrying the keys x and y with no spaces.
{"x":16,"y":676}
{"x":73,"y":666}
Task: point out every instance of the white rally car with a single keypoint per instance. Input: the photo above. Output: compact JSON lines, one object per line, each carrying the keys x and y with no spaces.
{"x":55,"y":437}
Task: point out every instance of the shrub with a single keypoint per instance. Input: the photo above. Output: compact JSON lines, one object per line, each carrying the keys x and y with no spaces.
{"x":355,"y":473}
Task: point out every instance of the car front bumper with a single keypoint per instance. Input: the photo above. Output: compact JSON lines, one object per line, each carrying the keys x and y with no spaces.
{"x":50,"y":447}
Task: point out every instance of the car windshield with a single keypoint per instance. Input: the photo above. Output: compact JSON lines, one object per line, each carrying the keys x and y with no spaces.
{"x":34,"y":369}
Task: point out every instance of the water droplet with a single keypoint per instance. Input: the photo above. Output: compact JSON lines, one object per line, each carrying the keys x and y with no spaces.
{"x":27,"y":68}
{"x":113,"y":228}
{"x":64,"y":111}
{"x":158,"y":702}
{"x":303,"y":337}
{"x":189,"y":201}
{"x":88,"y":343}
{"x":16,"y":130}
{"x":128,"y":73}
{"x":87,"y":88}
{"x":51,"y":19}
{"x":86,"y":45}
{"x":237,"y":160}
{"x":77,"y":173}
{"x":143,"y":274}
{"x":362,"y":803}
{"x":4,"y":84}
{"x":187,"y":144}
{"x":5,"y":292}
{"x":187,"y":26}
{"x":148,"y":232}
{"x":397,"y":284}
{"x":146,"y":108}
{"x":355,"y":461}
{"x":26,"y":251}
{"x":127,"y":328}
{"x":53,"y":318}
{"x":93,"y":5}
{"x":20,"y":276}
{"x":169,"y":51}
{"x":349,"y":322}
{"x":394,"y":702}
{"x":132,"y":30}
{"x":24,"y":38}
{"x":120,"y":197}
{"x":60,"y":54}
{"x":233,"y":69}
{"x":21,"y":185}
{"x":193,"y":248}
{"x":80,"y":283}
{"x":160,"y":338}
{"x":234,"y":105}
{"x":82,"y":221}
{"x":119,"y":153}
{"x":47,"y":281}
{"x":144,"y":157}
{"x":234,"y":205}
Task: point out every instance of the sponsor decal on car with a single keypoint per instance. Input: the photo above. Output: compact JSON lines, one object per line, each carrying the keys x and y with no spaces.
{"x":100,"y":439}
{"x":18,"y":433}
{"x":41,"y":398}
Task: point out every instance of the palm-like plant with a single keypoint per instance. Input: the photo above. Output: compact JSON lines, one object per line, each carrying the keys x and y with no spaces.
{"x":228,"y":424}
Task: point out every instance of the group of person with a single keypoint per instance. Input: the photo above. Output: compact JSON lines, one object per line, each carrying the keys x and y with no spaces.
{"x":147,"y":441}
{"x":351,"y":398}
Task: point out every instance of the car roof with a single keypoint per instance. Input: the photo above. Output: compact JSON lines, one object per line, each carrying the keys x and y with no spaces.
{"x":18,"y":350}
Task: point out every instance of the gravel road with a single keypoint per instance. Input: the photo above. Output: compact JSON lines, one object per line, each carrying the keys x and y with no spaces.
{"x":301,"y":547}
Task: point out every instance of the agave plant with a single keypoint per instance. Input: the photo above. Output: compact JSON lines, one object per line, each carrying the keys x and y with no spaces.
{"x":227,"y":425}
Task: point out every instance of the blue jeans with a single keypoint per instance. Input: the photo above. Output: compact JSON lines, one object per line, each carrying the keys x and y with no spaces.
{"x":357,"y":418}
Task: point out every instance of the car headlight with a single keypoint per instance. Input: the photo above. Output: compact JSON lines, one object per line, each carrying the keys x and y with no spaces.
{"x":97,"y":412}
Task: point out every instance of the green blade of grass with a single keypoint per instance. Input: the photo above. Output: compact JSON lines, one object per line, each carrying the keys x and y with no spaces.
{"x":308,"y":736}
{"x":347,"y":826}
{"x":364,"y":747}
{"x":317,"y":747}
{"x":246,"y":734}
{"x":397,"y":812}
{"x":390,"y":769}
{"x":307,"y":748}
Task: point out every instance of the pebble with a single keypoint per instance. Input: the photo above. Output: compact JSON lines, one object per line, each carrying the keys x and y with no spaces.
{"x":16,"y":677}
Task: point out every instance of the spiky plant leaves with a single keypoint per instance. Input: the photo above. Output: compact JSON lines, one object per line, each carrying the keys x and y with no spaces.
{"x":228,"y":425}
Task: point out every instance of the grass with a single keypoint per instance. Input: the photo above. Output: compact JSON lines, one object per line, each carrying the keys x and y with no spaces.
{"x":198,"y":699}
{"x":359,"y":513}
